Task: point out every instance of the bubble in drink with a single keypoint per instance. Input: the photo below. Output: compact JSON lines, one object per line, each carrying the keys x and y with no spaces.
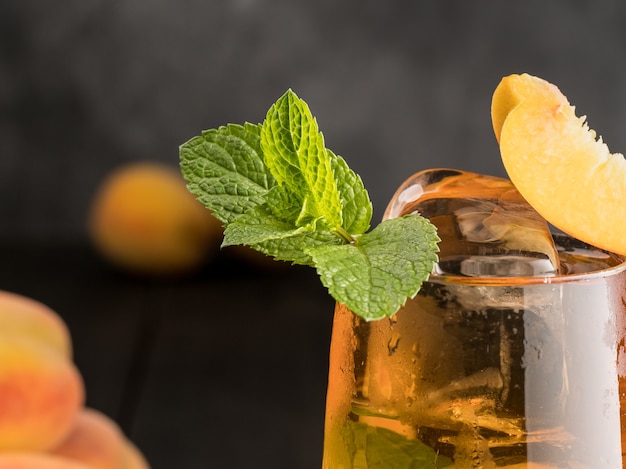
{"x":507,"y":358}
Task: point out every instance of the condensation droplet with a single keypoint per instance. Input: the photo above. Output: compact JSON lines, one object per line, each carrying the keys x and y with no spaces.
{"x":392,"y":345}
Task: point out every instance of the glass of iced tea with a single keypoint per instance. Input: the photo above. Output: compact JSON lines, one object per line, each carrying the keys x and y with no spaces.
{"x":512,"y":354}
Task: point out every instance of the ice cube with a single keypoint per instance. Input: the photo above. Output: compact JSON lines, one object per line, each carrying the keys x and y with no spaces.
{"x":486,"y":227}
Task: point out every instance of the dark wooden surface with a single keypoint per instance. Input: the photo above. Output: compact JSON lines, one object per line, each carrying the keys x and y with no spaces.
{"x":225,"y":369}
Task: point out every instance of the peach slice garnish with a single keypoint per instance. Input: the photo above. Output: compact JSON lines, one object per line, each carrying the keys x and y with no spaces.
{"x":558,"y":163}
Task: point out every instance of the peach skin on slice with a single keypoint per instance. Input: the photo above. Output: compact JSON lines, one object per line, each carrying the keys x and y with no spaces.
{"x":558,"y":164}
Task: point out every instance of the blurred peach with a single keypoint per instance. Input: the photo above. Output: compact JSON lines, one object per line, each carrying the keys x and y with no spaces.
{"x":28,"y":318}
{"x":37,"y":461}
{"x":97,"y":441}
{"x":40,"y":395}
{"x":133,"y":457}
{"x":144,"y":219}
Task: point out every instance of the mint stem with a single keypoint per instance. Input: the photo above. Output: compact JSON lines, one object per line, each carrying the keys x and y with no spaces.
{"x":343,"y":234}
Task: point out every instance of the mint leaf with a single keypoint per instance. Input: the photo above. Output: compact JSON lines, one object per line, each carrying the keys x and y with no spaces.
{"x":224,"y":167}
{"x":294,"y":151}
{"x":355,"y":201}
{"x":278,"y":238}
{"x":284,"y":204}
{"x":379,"y":448}
{"x":377,"y":274}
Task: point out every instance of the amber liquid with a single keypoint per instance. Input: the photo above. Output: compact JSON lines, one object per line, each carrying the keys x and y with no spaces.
{"x":515,"y":373}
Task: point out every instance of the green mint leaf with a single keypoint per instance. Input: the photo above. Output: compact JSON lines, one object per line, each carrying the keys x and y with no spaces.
{"x":294,"y":152}
{"x":355,"y":201}
{"x":224,"y":168}
{"x":379,"y":448}
{"x":375,"y":276}
{"x":284,"y":204}
{"x":274,"y":236}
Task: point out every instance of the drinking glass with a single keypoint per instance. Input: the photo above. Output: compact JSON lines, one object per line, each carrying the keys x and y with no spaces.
{"x":483,"y":369}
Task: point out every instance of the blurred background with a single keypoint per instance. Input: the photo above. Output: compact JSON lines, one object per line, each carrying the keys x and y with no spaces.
{"x":198,"y":374}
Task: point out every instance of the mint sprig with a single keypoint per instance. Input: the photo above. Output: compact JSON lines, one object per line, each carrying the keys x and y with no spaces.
{"x":278,"y":189}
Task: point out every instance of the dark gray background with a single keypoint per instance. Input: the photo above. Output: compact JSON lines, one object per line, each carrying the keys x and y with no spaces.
{"x":397,"y":85}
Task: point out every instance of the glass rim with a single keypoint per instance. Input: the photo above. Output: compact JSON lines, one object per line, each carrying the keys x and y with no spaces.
{"x":536,"y":280}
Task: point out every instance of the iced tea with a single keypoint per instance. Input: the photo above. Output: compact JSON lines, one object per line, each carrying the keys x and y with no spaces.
{"x":485,"y":370}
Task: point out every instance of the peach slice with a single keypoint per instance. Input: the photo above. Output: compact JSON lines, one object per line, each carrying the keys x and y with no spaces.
{"x":558,"y":164}
{"x":28,"y":318}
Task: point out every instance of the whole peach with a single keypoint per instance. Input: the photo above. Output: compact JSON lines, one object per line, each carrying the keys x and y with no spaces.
{"x":37,"y":461}
{"x":28,"y":318}
{"x":96,"y":440}
{"x":133,"y":457}
{"x":144,"y":219}
{"x":40,"y":394}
